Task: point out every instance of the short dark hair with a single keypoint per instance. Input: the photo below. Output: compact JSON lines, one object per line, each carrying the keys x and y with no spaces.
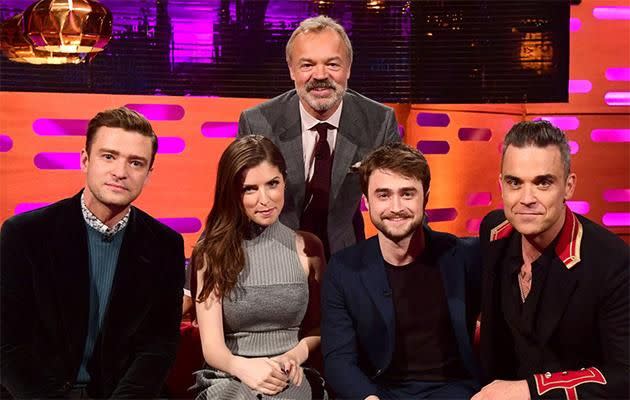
{"x":399,"y":158}
{"x":539,"y":134}
{"x":123,"y":118}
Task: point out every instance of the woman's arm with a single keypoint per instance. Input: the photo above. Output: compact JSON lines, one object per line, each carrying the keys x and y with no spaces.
{"x":261,"y":374}
{"x":311,"y":255}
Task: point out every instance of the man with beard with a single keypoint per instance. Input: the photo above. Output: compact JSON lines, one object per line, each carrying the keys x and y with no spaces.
{"x":323,"y":130}
{"x":90,"y":286}
{"x":399,"y":309}
{"x":556,"y":286}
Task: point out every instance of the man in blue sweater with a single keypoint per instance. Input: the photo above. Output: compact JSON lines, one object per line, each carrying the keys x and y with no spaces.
{"x":91,"y":286}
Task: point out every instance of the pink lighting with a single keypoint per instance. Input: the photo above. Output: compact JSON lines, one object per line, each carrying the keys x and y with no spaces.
{"x":580,"y":207}
{"x":564,"y":123}
{"x":611,"y":12}
{"x":24,"y":207}
{"x":472,"y":225}
{"x":479,"y":199}
{"x":617,"y":195}
{"x":575,"y":24}
{"x":618,"y":74}
{"x":617,"y":98}
{"x":580,"y":86}
{"x":610,"y":135}
{"x":616,"y":219}
{"x":574,"y":146}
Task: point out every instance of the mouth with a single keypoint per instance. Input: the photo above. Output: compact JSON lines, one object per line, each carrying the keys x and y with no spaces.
{"x":266,"y":212}
{"x":116,"y":188}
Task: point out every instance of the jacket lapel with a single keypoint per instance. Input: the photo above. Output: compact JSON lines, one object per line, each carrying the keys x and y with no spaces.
{"x":128,"y":295}
{"x":71,"y":273}
{"x":375,"y":280}
{"x":453,"y":266}
{"x":289,"y":130}
{"x":345,"y":146}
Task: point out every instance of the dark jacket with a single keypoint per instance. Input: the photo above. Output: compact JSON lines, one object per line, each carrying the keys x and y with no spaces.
{"x":358,"y":327}
{"x":45,"y":304}
{"x":583,"y":318}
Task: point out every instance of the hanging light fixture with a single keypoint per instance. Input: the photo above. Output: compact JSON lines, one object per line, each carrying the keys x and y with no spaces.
{"x":68,"y":26}
{"x":17,"y":48}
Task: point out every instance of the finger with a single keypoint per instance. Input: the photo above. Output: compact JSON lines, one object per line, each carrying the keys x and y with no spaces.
{"x":292,"y":371}
{"x":276,"y":370}
{"x":273,"y":388}
{"x":300,"y":375}
{"x":270,"y":380}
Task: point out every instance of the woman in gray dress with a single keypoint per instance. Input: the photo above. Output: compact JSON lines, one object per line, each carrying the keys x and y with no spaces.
{"x":258,"y":300}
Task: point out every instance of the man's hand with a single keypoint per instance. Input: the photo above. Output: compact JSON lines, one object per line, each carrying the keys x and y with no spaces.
{"x":504,"y":390}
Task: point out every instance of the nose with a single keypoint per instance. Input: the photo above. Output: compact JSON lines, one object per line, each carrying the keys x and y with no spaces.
{"x":396,"y":204}
{"x":119,"y":169}
{"x":263,"y":197}
{"x":528,"y":196}
{"x":320,"y":72}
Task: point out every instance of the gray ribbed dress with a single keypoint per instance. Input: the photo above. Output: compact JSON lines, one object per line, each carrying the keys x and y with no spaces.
{"x":262,"y":316}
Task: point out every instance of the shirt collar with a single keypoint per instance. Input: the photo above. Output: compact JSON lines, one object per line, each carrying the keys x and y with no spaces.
{"x":308,"y":121}
{"x":98,"y":225}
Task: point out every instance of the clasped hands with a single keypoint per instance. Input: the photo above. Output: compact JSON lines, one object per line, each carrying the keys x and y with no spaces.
{"x":272,"y":375}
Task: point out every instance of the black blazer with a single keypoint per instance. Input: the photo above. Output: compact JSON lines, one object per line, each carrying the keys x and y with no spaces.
{"x":45,"y":304}
{"x":583,"y":319}
{"x":358,"y":324}
{"x":364,"y":126}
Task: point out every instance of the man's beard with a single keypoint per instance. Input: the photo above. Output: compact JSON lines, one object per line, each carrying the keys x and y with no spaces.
{"x":321,"y":104}
{"x":397,"y":236}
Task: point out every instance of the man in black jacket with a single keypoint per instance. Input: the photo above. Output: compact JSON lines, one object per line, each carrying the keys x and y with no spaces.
{"x":555,"y":315}
{"x":91,"y":286}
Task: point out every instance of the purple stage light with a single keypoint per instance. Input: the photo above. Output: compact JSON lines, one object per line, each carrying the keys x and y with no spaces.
{"x":610,"y":135}
{"x":171,"y":145}
{"x":182,"y":225}
{"x":580,"y":207}
{"x":159,"y":112}
{"x":441,"y":214}
{"x":6,"y":143}
{"x":564,"y":123}
{"x":433,"y":119}
{"x":433,"y":146}
{"x":24,"y":207}
{"x":580,"y":86}
{"x":574,"y":146}
{"x":617,"y":98}
{"x":616,"y":219}
{"x":575,"y":24}
{"x":618,"y":74}
{"x":472,"y":225}
{"x":479,"y":199}
{"x":60,"y":127}
{"x":622,"y":13}
{"x":474,"y":134}
{"x":617,"y":195}
{"x":219,"y":129}
{"x":57,"y":160}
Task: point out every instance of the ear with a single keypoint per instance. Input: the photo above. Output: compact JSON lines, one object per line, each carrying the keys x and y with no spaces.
{"x":569,"y":187}
{"x":85,"y":160}
{"x":426,"y":198}
{"x":148,"y":178}
{"x":501,"y":183}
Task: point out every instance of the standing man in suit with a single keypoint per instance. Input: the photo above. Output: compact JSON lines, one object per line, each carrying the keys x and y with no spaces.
{"x":323,"y":130}
{"x":556,"y":299}
{"x":91,"y":286}
{"x":399,"y":309}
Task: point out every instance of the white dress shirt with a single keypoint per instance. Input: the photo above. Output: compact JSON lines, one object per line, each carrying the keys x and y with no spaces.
{"x":310,"y":137}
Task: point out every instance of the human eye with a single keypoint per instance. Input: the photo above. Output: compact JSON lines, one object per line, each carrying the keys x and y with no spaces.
{"x":137,"y":163}
{"x":274,"y":183}
{"x":545,"y":184}
{"x":107,"y":156}
{"x":305,"y":66}
{"x":512,"y":183}
{"x":408,"y":194}
{"x":249,"y":189}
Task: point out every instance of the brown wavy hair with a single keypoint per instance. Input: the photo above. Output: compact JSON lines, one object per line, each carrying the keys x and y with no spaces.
{"x":220,"y":248}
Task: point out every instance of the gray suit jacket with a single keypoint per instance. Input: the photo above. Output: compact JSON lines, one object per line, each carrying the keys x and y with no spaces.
{"x":364,"y":126}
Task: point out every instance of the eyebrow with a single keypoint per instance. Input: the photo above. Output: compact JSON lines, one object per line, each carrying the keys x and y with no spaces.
{"x":117,"y":153}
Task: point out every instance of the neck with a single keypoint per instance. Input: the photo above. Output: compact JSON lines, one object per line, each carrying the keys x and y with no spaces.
{"x":107,"y":214}
{"x":534,"y":245}
{"x":403,"y":251}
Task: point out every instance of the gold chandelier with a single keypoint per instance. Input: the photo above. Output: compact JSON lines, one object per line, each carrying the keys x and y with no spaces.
{"x":17,"y":48}
{"x":68,"y":26}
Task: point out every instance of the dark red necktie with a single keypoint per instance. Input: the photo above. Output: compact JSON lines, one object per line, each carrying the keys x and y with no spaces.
{"x":315,"y":215}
